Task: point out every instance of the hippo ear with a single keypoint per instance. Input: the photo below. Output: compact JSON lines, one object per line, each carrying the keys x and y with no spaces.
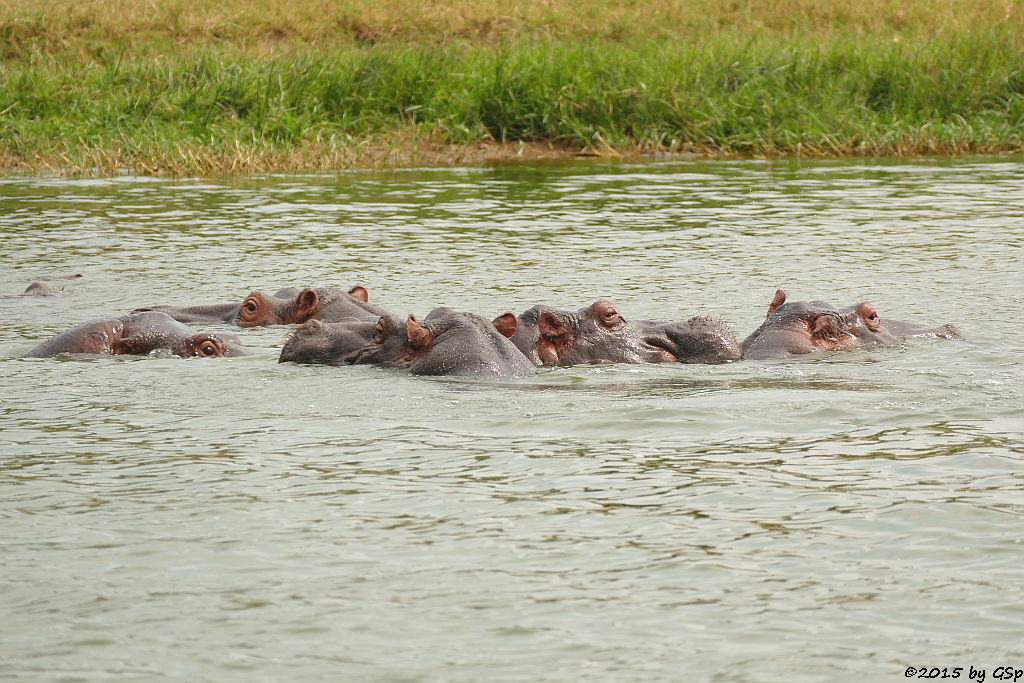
{"x":306,"y":304}
{"x":780,"y":298}
{"x":360,"y":293}
{"x":823,"y":325}
{"x":506,"y":325}
{"x":551,"y":327}
{"x":419,"y":336}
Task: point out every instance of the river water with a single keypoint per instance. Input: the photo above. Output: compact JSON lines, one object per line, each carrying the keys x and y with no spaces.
{"x":839,"y":516}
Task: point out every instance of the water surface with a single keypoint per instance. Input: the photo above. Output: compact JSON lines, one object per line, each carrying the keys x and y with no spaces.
{"x":831,"y":517}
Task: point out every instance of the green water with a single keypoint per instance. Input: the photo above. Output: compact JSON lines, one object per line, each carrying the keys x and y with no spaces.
{"x":831,"y":517}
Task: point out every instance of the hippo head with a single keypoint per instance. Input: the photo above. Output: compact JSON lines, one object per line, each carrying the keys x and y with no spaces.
{"x":339,"y":343}
{"x":388,"y":343}
{"x":259,"y":309}
{"x":700,"y":339}
{"x":803,"y":327}
{"x":595,"y":334}
{"x":866,"y":325}
{"x":138,"y":333}
{"x":447,"y":342}
{"x":203,"y":346}
{"x":143,"y":332}
{"x":872,"y":329}
{"x":39,"y":289}
{"x":799,"y":327}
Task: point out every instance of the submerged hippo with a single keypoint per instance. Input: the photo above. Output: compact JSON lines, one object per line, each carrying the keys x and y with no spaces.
{"x":599,"y":334}
{"x":213,"y":313}
{"x":869,"y":328}
{"x":327,"y":304}
{"x":74,"y":276}
{"x":136,"y":334}
{"x":799,"y":327}
{"x":338,"y":343}
{"x":701,"y":339}
{"x":448,"y":342}
{"x":40,"y":288}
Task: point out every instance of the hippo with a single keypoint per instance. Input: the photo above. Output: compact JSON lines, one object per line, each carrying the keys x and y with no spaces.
{"x":327,"y":304}
{"x":213,"y":313}
{"x":869,"y":328}
{"x":40,"y":289}
{"x":136,"y":334}
{"x":701,"y":339}
{"x":447,"y":342}
{"x":338,"y":343}
{"x":798,"y":327}
{"x":599,"y":334}
{"x":58,"y":277}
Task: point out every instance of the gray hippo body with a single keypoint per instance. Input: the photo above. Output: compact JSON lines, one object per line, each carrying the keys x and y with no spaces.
{"x":448,"y":342}
{"x":600,"y":334}
{"x":213,"y":313}
{"x":799,"y":327}
{"x":326,"y":304}
{"x":136,"y":334}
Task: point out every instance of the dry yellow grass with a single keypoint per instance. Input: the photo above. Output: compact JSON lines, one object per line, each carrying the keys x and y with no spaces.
{"x":272,"y":26}
{"x":395,"y":149}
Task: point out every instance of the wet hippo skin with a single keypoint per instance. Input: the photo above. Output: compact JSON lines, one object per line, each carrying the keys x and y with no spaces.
{"x":447,"y":342}
{"x":136,"y":334}
{"x":213,"y":313}
{"x":600,"y":334}
{"x":799,"y":327}
{"x":326,"y":304}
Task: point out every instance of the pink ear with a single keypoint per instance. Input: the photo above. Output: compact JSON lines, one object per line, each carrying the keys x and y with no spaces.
{"x":306,"y":304}
{"x":360,"y":293}
{"x":506,"y":325}
{"x":780,"y":298}
{"x":822,"y":324}
{"x":419,"y":336}
{"x":550,"y":326}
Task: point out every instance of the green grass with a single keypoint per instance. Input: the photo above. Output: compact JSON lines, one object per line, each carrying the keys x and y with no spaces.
{"x":215,"y":111}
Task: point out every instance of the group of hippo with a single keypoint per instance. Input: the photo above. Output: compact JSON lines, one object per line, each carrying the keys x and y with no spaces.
{"x":339,"y":327}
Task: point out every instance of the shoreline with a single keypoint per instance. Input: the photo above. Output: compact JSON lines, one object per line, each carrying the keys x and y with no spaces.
{"x":87,"y":91}
{"x":425,"y":156}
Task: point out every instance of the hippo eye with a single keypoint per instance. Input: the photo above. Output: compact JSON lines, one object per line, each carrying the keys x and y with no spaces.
{"x":208,"y":349}
{"x":380,"y":332}
{"x":251,"y":307}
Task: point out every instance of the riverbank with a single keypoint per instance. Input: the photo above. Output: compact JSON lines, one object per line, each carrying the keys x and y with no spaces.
{"x":230,"y":88}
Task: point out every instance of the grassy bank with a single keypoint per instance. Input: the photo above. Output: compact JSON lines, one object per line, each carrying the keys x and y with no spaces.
{"x":311,"y":86}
